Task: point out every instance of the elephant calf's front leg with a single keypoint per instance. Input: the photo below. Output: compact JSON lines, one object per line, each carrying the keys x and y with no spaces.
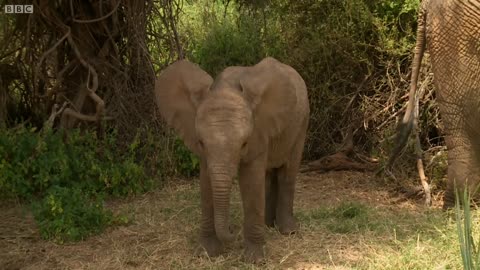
{"x":252,"y":188}
{"x":208,"y":237}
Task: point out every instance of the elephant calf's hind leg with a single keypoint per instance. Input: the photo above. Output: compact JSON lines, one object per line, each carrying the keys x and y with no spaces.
{"x":271,"y":190}
{"x":286,"y":188}
{"x":287,"y":176}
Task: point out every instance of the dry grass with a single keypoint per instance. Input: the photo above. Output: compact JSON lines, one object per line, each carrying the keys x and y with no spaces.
{"x":348,"y":221}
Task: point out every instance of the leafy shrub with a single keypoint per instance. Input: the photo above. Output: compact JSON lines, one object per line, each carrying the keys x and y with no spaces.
{"x":396,"y":22}
{"x":226,"y":45}
{"x":238,"y":38}
{"x":69,"y":214}
{"x":33,"y":162}
{"x":66,"y":181}
{"x":343,"y":50}
{"x":353,"y":55}
{"x":187,"y":163}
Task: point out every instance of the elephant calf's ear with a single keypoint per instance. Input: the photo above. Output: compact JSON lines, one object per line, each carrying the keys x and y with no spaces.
{"x":270,"y":88}
{"x":178,"y":91}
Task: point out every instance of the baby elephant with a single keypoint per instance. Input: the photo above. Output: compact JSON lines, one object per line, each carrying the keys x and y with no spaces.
{"x":251,"y":121}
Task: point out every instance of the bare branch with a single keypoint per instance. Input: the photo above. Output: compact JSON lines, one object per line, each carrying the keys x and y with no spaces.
{"x":93,"y":20}
{"x":51,"y":50}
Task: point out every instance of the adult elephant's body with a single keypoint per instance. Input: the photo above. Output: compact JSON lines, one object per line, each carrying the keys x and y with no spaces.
{"x":451,"y":31}
{"x":252,"y":120}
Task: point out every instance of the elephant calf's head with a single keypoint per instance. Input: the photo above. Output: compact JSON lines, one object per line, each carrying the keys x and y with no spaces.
{"x":223,"y":127}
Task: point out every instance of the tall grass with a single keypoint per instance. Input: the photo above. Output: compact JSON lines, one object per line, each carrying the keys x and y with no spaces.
{"x":469,"y":248}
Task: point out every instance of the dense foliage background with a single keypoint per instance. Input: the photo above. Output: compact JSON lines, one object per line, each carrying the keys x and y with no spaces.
{"x":65,"y":148}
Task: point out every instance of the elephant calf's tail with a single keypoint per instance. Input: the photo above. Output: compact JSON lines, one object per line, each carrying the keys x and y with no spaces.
{"x":409,"y":119}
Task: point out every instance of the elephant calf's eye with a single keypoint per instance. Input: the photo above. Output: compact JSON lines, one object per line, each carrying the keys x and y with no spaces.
{"x":244,"y":145}
{"x":200,"y":143}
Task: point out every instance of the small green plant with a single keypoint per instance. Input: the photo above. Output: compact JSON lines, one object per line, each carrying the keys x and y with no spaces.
{"x":69,"y":214}
{"x":350,"y":210}
{"x":469,"y":248}
{"x":438,"y":169}
{"x":348,"y":217}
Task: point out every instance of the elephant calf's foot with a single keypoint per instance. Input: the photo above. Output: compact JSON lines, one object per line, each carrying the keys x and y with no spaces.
{"x":212,"y":245}
{"x":287,"y":225}
{"x":254,"y":253}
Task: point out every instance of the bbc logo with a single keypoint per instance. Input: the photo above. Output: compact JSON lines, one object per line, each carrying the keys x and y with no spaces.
{"x":18,"y":8}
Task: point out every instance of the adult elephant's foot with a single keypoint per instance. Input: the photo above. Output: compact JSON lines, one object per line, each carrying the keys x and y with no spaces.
{"x":448,"y":205}
{"x":287,"y":225}
{"x":449,"y":200}
{"x":211,"y":245}
{"x":254,"y":253}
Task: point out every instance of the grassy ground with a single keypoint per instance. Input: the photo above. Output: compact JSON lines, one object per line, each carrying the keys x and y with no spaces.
{"x":348,"y":221}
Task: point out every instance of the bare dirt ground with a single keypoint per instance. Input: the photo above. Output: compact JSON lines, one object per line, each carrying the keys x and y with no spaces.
{"x":162,"y":232}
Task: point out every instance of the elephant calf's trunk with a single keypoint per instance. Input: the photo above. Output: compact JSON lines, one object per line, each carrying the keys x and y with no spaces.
{"x":222,"y":227}
{"x":221,"y":185}
{"x":225,"y":234}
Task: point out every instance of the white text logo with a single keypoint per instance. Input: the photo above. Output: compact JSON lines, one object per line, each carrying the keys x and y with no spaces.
{"x":18,"y":8}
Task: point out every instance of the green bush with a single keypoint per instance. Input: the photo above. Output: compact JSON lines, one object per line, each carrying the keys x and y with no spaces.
{"x":33,"y":162}
{"x":69,"y":214}
{"x":187,"y":163}
{"x":237,"y":38}
{"x":351,"y":54}
{"x":66,"y":181}
{"x":396,"y":22}
{"x":226,"y":45}
{"x":343,"y":50}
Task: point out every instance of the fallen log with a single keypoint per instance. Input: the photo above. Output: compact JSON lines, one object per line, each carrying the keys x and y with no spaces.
{"x":345,"y":159}
{"x":338,"y":162}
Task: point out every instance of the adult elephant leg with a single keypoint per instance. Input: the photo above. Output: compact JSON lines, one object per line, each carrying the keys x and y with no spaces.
{"x":286,"y":189}
{"x":208,"y":237}
{"x":252,"y":189}
{"x":472,"y":123}
{"x":271,"y":190}
{"x":457,"y":110}
{"x":463,"y":171}
{"x":462,"y":166}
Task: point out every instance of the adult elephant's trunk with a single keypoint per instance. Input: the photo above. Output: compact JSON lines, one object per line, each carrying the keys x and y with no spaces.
{"x":221,"y":178}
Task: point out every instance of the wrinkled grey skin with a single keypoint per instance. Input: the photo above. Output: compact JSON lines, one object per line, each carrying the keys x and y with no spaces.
{"x":451,"y":32}
{"x":250,"y":120}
